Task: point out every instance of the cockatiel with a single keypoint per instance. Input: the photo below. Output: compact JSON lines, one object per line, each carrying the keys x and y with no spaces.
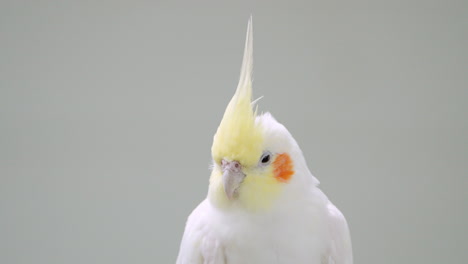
{"x":263,"y":204}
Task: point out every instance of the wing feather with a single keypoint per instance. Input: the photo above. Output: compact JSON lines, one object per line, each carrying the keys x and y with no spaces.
{"x":340,"y":249}
{"x":197,"y":246}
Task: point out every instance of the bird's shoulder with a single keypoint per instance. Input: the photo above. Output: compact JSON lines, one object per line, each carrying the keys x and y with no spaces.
{"x":197,"y":245}
{"x":339,"y":250}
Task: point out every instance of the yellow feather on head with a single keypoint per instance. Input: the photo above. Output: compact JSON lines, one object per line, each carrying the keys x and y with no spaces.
{"x":238,"y":137}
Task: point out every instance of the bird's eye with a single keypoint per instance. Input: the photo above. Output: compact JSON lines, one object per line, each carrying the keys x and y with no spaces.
{"x":265,"y":159}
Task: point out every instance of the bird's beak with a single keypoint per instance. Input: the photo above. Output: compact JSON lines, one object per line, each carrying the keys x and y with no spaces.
{"x":232,"y":177}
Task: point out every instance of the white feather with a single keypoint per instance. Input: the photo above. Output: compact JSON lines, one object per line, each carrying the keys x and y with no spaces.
{"x":302,"y":226}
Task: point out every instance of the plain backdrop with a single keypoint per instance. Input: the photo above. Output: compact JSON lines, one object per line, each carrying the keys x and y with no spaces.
{"x":108,"y":109}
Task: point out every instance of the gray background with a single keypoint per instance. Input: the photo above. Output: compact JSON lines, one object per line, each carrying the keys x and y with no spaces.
{"x":108,"y":111}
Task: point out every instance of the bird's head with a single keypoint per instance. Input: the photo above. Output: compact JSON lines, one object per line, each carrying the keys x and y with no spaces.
{"x":254,"y":156}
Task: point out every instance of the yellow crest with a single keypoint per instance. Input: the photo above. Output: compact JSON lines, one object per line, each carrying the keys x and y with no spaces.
{"x":238,"y":137}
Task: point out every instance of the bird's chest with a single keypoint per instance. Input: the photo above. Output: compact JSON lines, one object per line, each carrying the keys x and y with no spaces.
{"x":266,"y":240}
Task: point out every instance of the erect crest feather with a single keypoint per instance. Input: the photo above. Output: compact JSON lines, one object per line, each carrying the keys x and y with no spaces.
{"x":238,"y":137}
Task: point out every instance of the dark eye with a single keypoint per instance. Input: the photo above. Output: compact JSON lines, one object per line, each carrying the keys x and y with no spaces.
{"x":265,"y":158}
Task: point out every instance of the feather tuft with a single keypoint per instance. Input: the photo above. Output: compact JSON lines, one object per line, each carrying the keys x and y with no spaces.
{"x":238,"y":137}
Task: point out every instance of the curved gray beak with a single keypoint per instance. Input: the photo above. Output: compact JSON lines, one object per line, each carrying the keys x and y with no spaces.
{"x":232,"y":177}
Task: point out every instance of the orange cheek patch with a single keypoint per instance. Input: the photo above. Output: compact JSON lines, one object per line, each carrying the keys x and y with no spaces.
{"x":283,"y":167}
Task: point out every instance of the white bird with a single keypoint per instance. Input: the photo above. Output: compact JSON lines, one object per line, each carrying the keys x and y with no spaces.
{"x":263,"y":204}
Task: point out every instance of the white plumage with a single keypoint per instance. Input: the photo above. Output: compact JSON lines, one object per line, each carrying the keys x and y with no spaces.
{"x":280,"y":221}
